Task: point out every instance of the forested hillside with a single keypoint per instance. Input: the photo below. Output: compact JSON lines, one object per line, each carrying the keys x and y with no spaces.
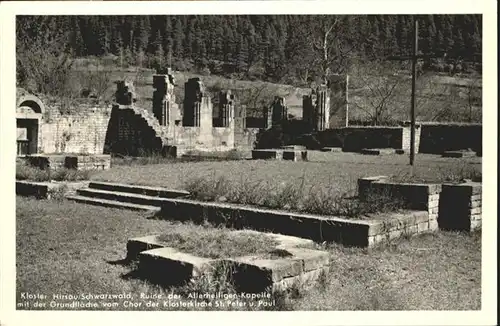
{"x":279,"y":48}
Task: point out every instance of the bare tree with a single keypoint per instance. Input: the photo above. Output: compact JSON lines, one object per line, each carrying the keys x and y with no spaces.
{"x":331,"y":45}
{"x":379,"y":89}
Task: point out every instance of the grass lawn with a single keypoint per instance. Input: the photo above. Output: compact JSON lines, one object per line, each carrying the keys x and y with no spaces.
{"x":70,"y":248}
{"x":339,"y":171}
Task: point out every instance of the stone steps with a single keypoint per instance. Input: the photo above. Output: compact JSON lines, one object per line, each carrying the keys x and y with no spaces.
{"x":121,"y":197}
{"x":125,"y":196}
{"x":152,"y":122}
{"x":137,"y":189}
{"x":111,"y":203}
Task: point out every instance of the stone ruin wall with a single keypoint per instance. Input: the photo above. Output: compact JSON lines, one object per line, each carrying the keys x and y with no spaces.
{"x":80,"y":132}
{"x":96,"y":130}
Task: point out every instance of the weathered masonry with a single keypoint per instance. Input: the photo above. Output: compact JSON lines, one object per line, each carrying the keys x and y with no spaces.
{"x":42,"y":129}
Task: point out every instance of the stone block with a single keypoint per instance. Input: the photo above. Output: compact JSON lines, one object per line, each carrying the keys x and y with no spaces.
{"x":434,"y":210}
{"x":477,"y":197}
{"x":475,"y":217}
{"x":476,"y":210}
{"x":433,"y":225}
{"x":311,"y":259}
{"x":272,"y":270}
{"x":295,"y":155}
{"x":138,"y":245}
{"x":377,"y":239}
{"x":169,"y":262}
{"x":475,"y":204}
{"x":475,"y":224}
{"x":412,"y":229}
{"x":395,"y":234}
{"x":433,"y":203}
{"x":294,"y":147}
{"x":433,"y":216}
{"x":423,"y":226}
{"x":267,"y":154}
{"x":306,"y":279}
{"x":331,"y":149}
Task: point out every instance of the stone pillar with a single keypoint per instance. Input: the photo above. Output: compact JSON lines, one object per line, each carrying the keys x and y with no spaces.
{"x":125,"y":92}
{"x":226,"y":108}
{"x":194,"y":99}
{"x":268,"y":117}
{"x":279,"y":110}
{"x":308,"y":103}
{"x":196,"y":114}
{"x":243,"y":116}
{"x":322,"y":115}
{"x":163,"y":98}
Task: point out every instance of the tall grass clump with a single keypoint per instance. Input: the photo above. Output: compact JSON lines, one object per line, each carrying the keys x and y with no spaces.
{"x":291,"y":196}
{"x":31,"y":173}
{"x":217,"y":243}
{"x":461,"y":172}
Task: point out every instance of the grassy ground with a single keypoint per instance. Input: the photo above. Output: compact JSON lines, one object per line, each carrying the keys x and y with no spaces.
{"x":216,"y":243}
{"x":323,"y":170}
{"x":70,"y":248}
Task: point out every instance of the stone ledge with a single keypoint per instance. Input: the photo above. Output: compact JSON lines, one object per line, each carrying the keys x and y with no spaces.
{"x":45,"y":190}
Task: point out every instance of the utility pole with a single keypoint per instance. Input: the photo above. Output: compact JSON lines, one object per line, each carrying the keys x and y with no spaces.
{"x":347,"y":100}
{"x":413,"y":84}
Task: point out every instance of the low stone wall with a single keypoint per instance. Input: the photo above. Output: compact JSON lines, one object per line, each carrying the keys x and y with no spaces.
{"x":438,"y":138}
{"x":422,"y":197}
{"x":356,"y":138}
{"x":449,"y":206}
{"x":267,"y":154}
{"x":460,"y":207}
{"x":47,"y":190}
{"x":279,"y":154}
{"x":79,"y":162}
{"x":350,"y":232}
{"x":88,"y":162}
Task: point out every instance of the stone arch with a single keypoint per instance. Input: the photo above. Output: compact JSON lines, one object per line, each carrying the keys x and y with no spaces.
{"x":31,"y":101}
{"x":29,"y":112}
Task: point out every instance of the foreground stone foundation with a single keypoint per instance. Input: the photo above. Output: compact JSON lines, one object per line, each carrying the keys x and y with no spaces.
{"x":290,"y":262}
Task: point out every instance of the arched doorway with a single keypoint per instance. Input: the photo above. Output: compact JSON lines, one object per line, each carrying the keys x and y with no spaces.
{"x":29,"y":112}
